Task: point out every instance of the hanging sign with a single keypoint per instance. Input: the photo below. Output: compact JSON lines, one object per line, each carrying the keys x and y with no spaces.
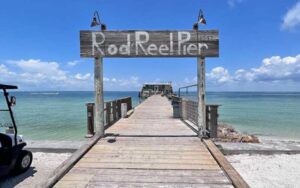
{"x":149,"y":43}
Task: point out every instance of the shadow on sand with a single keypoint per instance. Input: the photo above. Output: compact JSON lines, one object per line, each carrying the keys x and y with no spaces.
{"x":13,"y":181}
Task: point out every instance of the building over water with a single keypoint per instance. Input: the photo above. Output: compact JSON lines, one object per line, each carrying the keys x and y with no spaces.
{"x":156,"y":88}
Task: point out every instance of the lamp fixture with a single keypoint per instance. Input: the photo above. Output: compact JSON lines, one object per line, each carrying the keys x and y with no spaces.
{"x":96,"y":21}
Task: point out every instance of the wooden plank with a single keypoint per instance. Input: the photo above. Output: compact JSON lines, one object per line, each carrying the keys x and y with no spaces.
{"x":140,"y":160}
{"x":78,"y":184}
{"x":67,"y":165}
{"x":170,"y":166}
{"x":147,"y":179}
{"x":202,"y":156}
{"x":149,"y":172}
{"x":235,"y":177}
{"x":164,"y":43}
{"x":207,"y":161}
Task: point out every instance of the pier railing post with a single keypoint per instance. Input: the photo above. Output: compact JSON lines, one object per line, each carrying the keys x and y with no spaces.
{"x":201,"y":96}
{"x":213,"y":120}
{"x":90,"y":120}
{"x":108,"y":113}
{"x":99,"y":101}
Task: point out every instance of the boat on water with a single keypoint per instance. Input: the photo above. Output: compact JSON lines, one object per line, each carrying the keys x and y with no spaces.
{"x":149,"y":89}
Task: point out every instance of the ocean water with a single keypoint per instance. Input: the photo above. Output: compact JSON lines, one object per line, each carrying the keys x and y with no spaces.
{"x":274,"y":114}
{"x":62,"y":115}
{"x":55,"y":115}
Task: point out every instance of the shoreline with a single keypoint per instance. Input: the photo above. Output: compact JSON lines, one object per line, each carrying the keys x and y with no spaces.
{"x":267,"y":145}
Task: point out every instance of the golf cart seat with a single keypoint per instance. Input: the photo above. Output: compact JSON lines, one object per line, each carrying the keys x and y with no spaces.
{"x":5,"y":141}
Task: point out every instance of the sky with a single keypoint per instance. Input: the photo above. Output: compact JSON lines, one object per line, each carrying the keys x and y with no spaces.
{"x":259,"y":44}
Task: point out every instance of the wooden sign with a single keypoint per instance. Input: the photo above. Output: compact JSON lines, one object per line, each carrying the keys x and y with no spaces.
{"x":149,"y":43}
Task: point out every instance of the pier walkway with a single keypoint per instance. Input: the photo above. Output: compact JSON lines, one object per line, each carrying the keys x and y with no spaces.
{"x":148,"y":149}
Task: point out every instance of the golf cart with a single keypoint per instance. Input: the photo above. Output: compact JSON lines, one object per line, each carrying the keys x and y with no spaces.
{"x":13,"y":158}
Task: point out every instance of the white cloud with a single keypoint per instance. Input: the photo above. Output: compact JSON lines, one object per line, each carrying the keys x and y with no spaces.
{"x":292,"y":17}
{"x":272,"y":69}
{"x":84,"y":77}
{"x":40,"y":69}
{"x":219,"y":75}
{"x":34,"y":74}
{"x":273,"y":72}
{"x":73,"y":63}
{"x":132,"y":81}
{"x":233,"y":3}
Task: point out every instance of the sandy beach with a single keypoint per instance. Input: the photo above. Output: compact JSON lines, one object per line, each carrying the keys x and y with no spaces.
{"x":268,"y":170}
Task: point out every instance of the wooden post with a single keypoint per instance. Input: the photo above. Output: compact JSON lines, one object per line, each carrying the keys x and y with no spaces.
{"x":123,"y":110}
{"x":201,"y":96}
{"x":114,"y":108}
{"x":99,"y":102}
{"x":213,"y":121}
{"x":207,"y":117}
{"x":108,"y":113}
{"x":119,"y":109}
{"x":90,"y":120}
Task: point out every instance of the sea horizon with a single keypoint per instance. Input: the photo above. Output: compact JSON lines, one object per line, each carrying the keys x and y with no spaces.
{"x":61,"y":115}
{"x":209,"y":91}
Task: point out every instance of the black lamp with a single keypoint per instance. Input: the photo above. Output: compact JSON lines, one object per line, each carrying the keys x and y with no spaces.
{"x":201,"y":20}
{"x":96,"y":21}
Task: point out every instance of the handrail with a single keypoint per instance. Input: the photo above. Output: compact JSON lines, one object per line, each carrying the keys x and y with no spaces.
{"x":112,"y":113}
{"x":185,"y":87}
{"x":189,"y":111}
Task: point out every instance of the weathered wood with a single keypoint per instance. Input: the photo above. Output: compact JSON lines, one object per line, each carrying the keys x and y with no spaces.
{"x":213,"y":121}
{"x":65,"y":166}
{"x":114,"y":108}
{"x":201,"y":96}
{"x":149,"y":172}
{"x":149,"y":149}
{"x":234,"y":176}
{"x":99,"y":101}
{"x":149,"y":43}
{"x":119,"y":108}
{"x":90,"y":120}
{"x":108,"y":113}
{"x":123,"y":110}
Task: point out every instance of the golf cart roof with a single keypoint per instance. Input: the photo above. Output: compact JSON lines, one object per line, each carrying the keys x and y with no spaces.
{"x":2,"y":86}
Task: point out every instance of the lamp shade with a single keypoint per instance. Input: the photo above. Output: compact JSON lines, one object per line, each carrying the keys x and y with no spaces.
{"x":202,"y":20}
{"x":94,"y":22}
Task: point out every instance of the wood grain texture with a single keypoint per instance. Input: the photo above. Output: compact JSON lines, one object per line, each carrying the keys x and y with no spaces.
{"x":165,"y":43}
{"x":235,"y":177}
{"x":148,"y":149}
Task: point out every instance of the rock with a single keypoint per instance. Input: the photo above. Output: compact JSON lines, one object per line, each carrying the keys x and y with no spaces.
{"x":227,"y":133}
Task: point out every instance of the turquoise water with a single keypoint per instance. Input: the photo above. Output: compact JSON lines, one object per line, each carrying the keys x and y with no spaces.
{"x":56,"y":115}
{"x":62,"y":115}
{"x":261,"y":113}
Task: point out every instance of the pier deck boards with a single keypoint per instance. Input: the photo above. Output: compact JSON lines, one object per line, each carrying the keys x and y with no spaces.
{"x":148,"y":149}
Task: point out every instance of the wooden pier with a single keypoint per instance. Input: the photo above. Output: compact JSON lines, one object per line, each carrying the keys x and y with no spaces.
{"x":152,"y":149}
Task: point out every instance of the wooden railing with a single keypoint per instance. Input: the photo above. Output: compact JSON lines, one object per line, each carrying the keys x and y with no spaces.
{"x":112,"y":113}
{"x":188,"y":111}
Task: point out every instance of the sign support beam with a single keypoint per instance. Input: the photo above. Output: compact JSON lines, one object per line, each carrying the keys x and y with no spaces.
{"x":201,"y":96}
{"x":99,"y":101}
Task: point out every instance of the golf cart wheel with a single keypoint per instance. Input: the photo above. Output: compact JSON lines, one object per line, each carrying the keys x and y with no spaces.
{"x":24,"y":161}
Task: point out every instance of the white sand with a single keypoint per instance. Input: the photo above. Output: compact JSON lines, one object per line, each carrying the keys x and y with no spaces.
{"x":268,"y":170}
{"x":43,"y":164}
